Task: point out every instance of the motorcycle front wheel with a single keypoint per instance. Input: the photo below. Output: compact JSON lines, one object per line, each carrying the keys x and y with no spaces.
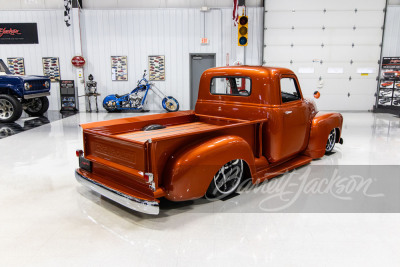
{"x":170,"y":104}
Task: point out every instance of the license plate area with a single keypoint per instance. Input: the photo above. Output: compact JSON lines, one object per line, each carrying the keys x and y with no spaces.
{"x":85,"y":164}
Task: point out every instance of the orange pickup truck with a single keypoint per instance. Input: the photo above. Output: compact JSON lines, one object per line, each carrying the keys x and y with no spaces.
{"x":249,"y":122}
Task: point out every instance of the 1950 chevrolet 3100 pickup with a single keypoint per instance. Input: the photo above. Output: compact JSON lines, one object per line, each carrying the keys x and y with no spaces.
{"x":248,"y":122}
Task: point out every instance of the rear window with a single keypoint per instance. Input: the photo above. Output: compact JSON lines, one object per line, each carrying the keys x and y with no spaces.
{"x":236,"y":86}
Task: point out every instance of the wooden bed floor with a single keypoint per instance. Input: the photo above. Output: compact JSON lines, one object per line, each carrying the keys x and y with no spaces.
{"x":142,"y":136}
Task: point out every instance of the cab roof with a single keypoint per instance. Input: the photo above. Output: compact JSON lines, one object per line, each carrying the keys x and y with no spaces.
{"x":248,"y":70}
{"x":265,"y":84}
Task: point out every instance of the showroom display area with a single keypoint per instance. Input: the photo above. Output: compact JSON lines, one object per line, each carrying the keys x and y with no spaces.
{"x":136,"y":35}
{"x":47,"y":219}
{"x":204,"y":133}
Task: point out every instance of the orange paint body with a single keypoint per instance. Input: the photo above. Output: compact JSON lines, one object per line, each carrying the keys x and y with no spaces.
{"x":270,"y":136}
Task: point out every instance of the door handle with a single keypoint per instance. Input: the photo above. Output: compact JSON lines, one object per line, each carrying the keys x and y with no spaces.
{"x":288,"y":112}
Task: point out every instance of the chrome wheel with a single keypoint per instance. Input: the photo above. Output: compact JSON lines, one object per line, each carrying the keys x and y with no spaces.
{"x":331,"y":141}
{"x":171,"y":104}
{"x":228,"y":177}
{"x":6,"y":109}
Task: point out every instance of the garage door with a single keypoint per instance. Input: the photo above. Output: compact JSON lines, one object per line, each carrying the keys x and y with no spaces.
{"x":333,"y":47}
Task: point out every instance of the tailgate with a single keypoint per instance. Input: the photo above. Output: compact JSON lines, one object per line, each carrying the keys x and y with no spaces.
{"x":118,"y":153}
{"x":117,"y":164}
{"x":121,"y":164}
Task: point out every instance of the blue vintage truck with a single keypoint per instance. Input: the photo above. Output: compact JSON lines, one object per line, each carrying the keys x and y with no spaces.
{"x":18,"y":93}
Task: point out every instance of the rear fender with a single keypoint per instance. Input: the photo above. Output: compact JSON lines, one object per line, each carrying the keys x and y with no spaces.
{"x":321,"y":126}
{"x":191,"y":170}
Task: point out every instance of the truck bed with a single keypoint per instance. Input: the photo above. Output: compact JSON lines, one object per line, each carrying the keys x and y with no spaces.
{"x":176,"y":124}
{"x":121,"y":152}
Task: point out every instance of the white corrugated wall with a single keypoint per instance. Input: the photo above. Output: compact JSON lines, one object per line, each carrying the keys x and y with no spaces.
{"x":174,"y":33}
{"x":391,"y":41}
{"x":55,"y":40}
{"x":135,"y":33}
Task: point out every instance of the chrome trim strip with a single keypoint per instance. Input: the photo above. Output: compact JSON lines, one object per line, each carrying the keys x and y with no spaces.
{"x":36,"y":95}
{"x":144,"y":206}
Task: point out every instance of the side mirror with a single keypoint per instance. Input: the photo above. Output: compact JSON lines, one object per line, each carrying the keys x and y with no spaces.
{"x":317,"y":94}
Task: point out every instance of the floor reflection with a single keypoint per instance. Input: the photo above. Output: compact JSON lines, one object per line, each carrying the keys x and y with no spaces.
{"x":26,"y":122}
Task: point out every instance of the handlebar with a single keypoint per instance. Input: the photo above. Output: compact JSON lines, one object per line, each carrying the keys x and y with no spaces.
{"x":143,"y":79}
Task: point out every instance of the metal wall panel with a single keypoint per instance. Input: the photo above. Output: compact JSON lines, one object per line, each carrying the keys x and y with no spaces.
{"x":174,"y":33}
{"x":55,"y":40}
{"x":320,"y":5}
{"x":121,"y":4}
{"x":323,"y":35}
{"x":136,"y":34}
{"x":391,"y":42}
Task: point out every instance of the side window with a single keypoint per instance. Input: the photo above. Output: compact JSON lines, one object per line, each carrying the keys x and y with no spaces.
{"x":238,"y":86}
{"x":289,"y":90}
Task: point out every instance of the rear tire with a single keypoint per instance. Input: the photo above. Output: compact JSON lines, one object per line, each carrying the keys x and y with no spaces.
{"x":10,"y":108}
{"x":226,"y":180}
{"x":37,"y":106}
{"x":110,"y":109}
{"x":110,"y":103}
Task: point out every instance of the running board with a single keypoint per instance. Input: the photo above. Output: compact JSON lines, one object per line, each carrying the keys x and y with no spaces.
{"x":271,"y":172}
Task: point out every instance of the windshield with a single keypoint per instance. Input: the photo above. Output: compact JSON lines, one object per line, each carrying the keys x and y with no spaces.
{"x":3,"y":68}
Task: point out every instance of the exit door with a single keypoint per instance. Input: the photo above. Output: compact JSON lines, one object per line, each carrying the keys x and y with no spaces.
{"x":198,"y":64}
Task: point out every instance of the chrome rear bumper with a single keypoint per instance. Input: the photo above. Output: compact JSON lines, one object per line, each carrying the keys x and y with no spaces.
{"x":144,"y":206}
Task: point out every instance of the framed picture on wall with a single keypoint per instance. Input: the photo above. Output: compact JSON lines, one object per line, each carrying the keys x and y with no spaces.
{"x":157,"y":68}
{"x":51,"y":68}
{"x":119,"y":68}
{"x":16,"y":65}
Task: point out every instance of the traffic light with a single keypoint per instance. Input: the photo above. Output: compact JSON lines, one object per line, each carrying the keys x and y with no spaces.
{"x":243,"y":30}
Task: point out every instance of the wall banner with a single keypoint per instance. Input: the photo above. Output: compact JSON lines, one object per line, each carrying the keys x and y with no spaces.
{"x":18,"y":33}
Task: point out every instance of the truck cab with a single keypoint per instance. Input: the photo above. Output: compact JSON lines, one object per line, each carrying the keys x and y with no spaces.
{"x":274,"y":94}
{"x":18,"y":93}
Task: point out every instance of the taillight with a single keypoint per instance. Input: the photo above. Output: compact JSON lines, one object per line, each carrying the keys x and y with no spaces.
{"x":79,"y":152}
{"x":148,"y":177}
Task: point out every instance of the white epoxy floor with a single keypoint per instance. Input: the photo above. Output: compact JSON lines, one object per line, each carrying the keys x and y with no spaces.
{"x":47,"y":219}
